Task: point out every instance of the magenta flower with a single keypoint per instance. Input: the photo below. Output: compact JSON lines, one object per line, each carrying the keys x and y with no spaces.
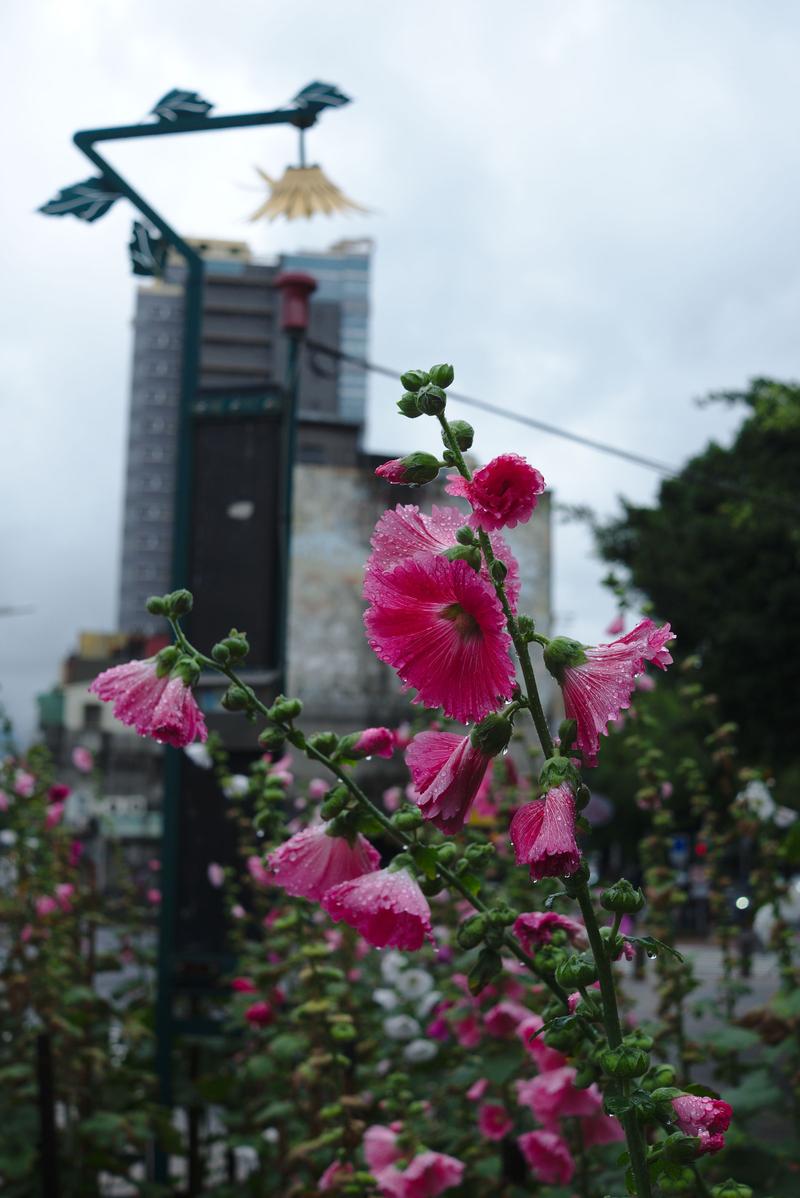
{"x":502,"y":494}
{"x":335,"y":1172}
{"x":529,"y":1032}
{"x":504,"y":1018}
{"x":260,"y":1014}
{"x":706,"y":1118}
{"x":494,"y":1121}
{"x":153,"y":896}
{"x":373,"y":742}
{"x":535,"y":928}
{"x":441,"y":627}
{"x":162,"y":708}
{"x":597,"y":681}
{"x":64,"y":893}
{"x":54,"y":815}
{"x":548,"y":1157}
{"x":427,"y":1175}
{"x":244,"y":985}
{"x":477,"y":1090}
{"x":447,"y":772}
{"x":386,"y":907}
{"x":75,"y":852}
{"x":543,"y":834}
{"x":82,"y":759}
{"x":601,"y":1129}
{"x":553,"y":1095}
{"x":45,"y":905}
{"x":311,"y":862}
{"x":257,"y":871}
{"x":24,"y":783}
{"x":405,"y":532}
{"x":4,"y":801}
{"x":58,"y":793}
{"x":380,"y":1147}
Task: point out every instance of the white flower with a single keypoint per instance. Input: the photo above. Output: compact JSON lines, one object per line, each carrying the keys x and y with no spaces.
{"x":385,"y":998}
{"x":413,"y":983}
{"x":418,"y":1051}
{"x":8,"y":837}
{"x":428,"y":1002}
{"x":401,"y":1027}
{"x":391,"y":965}
{"x":757,"y":799}
{"x":199,"y":755}
{"x":235,"y":786}
{"x":271,"y":1135}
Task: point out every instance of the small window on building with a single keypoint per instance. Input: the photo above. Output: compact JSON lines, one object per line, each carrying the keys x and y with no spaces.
{"x":91,"y":715}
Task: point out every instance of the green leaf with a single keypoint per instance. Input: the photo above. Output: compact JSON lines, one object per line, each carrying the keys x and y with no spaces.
{"x":88,"y":201}
{"x":426,"y":859}
{"x":652,"y":946}
{"x":551,"y":898}
{"x":700,"y":1090}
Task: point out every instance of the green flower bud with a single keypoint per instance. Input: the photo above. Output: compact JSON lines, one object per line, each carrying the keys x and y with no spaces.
{"x":659,"y":1075}
{"x":156,"y":605}
{"x":470,"y":554}
{"x":221,"y":654}
{"x":283,"y":709}
{"x":547,"y":958}
{"x":188,"y":670}
{"x":442,"y":375}
{"x":237,"y":645}
{"x":561,"y":653}
{"x":324,"y":742}
{"x":472,"y":931}
{"x":679,"y":1148}
{"x":272,"y":739}
{"x":419,"y":468}
{"x":479,"y":854}
{"x":526,"y":628}
{"x":731,"y":1189}
{"x":556,"y":771}
{"x":407,"y":819}
{"x":498,"y":571}
{"x":432,"y":400}
{"x":622,"y":898}
{"x":166,"y":660}
{"x":446,"y":852}
{"x":335,"y":803}
{"x":624,"y":1062}
{"x":465,"y":536}
{"x":408,"y":406}
{"x":412,"y":380}
{"x":431,"y":886}
{"x":236,"y":698}
{"x":179,"y":603}
{"x":462,"y":432}
{"x":576,"y":970}
{"x":491,"y":735}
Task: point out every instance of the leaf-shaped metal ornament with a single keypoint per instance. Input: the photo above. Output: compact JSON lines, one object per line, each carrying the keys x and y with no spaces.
{"x":88,"y":200}
{"x":148,"y":250}
{"x":316,"y":96}
{"x":177,"y":105}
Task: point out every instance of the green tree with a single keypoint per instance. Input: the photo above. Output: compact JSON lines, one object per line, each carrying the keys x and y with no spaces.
{"x":718,"y":556}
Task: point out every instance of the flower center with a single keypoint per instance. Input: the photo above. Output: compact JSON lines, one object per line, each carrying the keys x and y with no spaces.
{"x":466,"y":625}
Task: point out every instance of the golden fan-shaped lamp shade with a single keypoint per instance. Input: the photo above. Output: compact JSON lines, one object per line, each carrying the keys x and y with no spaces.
{"x":303,"y":191}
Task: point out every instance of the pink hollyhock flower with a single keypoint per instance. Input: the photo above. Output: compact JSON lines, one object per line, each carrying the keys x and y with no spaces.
{"x":529,"y":1032}
{"x":438,"y":1029}
{"x":4,"y":801}
{"x":427,"y":1175}
{"x":543,"y":834}
{"x":257,"y":871}
{"x":405,"y":532}
{"x":260,"y":1014}
{"x":601,"y":1129}
{"x":45,"y":905}
{"x":373,"y":742}
{"x":548,"y":1157}
{"x":216,"y":874}
{"x":162,"y":708}
{"x":335,"y":1172}
{"x":64,"y":893}
{"x":380,"y":1147}
{"x":502,"y":493}
{"x":441,"y":627}
{"x":597,"y":681}
{"x":643,"y":682}
{"x":244,"y":985}
{"x":386,"y":907}
{"x":58,"y":793}
{"x":311,"y":862}
{"x":54,"y":815}
{"x":24,"y":783}
{"x":535,"y":928}
{"x":154,"y":896}
{"x":504,"y":1018}
{"x":75,"y":852}
{"x":26,"y":933}
{"x":616,"y":626}
{"x":82,"y":759}
{"x":469,"y":1032}
{"x":318,"y":788}
{"x":706,"y":1118}
{"x":447,"y":771}
{"x":553,"y":1095}
{"x":494,"y":1121}
{"x":477,"y":1090}
{"x":391,"y":798}
{"x":238,"y":911}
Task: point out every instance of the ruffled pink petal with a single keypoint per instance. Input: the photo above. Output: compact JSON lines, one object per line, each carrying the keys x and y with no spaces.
{"x":161,"y":708}
{"x":704,"y":1117}
{"x":311,"y":862}
{"x":535,"y":928}
{"x":386,"y":907}
{"x":543,"y":835}
{"x":447,"y":772}
{"x":494,"y":1121}
{"x":553,"y":1095}
{"x":380,"y":1147}
{"x":441,"y":627}
{"x":548,"y":1157}
{"x":502,"y":493}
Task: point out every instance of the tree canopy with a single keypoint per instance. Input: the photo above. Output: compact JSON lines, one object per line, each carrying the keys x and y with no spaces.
{"x":718,"y":556}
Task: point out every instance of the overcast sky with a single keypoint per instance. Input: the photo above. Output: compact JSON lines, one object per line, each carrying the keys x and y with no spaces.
{"x":589,"y":206}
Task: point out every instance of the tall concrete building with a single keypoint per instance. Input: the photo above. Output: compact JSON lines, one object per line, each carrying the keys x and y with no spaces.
{"x":242,"y":354}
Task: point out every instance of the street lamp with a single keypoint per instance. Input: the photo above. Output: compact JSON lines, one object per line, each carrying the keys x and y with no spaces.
{"x":303,"y":191}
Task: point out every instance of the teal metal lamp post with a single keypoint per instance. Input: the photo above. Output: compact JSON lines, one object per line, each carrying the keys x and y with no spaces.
{"x":302,"y":192}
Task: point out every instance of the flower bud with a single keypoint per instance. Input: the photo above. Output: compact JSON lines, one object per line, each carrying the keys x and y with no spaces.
{"x":419,"y":468}
{"x":324,"y":742}
{"x":624,"y":1062}
{"x":284,"y":709}
{"x":622,"y":898}
{"x":680,"y":1149}
{"x":237,"y":645}
{"x":431,"y":886}
{"x":526,"y":628}
{"x":188,"y":670}
{"x":167,"y":659}
{"x":442,"y":375}
{"x":677,"y":1182}
{"x":498,"y":571}
{"x":236,"y":698}
{"x":446,"y":852}
{"x":465,"y":536}
{"x":660,"y":1075}
{"x":412,"y":380}
{"x":472,"y":931}
{"x":408,"y":406}
{"x":156,"y":605}
{"x":179,"y":603}
{"x":556,"y":771}
{"x":731,"y":1189}
{"x":408,"y":819}
{"x":470,"y":554}
{"x":221,"y":654}
{"x":462,"y":432}
{"x":479,"y":854}
{"x":492,"y":734}
{"x":335,"y":803}
{"x":432,"y":400}
{"x":561,"y":653}
{"x":576,"y":970}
